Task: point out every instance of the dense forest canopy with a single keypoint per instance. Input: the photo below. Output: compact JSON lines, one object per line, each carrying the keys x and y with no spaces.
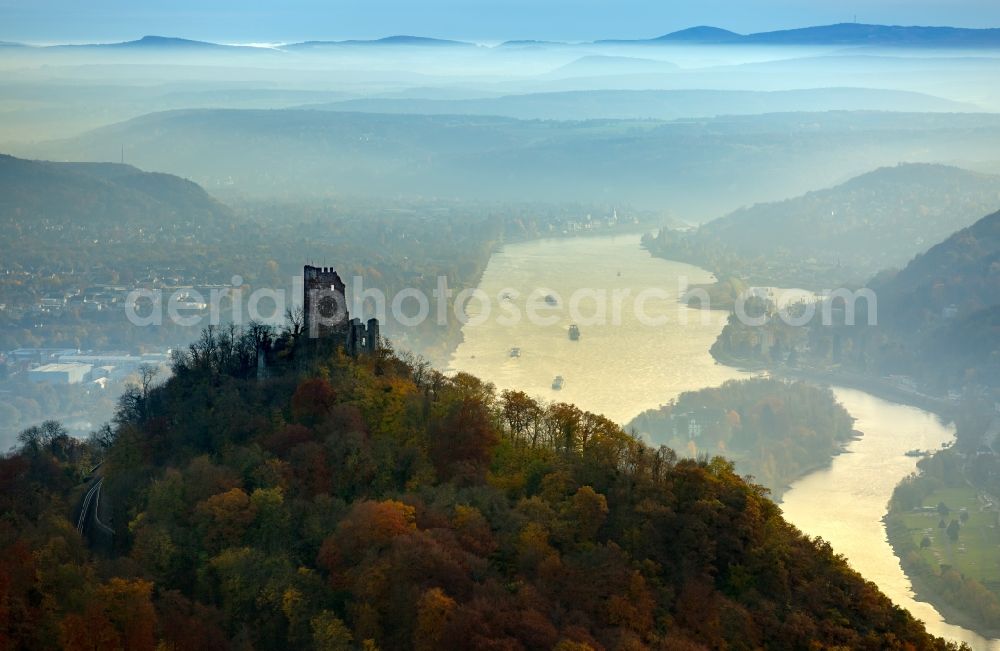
{"x":372,"y":503}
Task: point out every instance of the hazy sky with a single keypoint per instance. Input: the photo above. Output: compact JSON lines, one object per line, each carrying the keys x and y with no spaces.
{"x":483,"y":20}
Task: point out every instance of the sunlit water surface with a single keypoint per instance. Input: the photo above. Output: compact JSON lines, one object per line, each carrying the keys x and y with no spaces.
{"x":616,"y":370}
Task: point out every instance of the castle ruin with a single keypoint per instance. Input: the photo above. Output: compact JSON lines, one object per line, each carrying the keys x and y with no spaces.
{"x":326,"y":317}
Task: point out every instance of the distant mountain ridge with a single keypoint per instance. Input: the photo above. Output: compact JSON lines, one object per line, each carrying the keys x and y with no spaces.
{"x":703,"y":34}
{"x":651,"y":104}
{"x":696,"y":168}
{"x":838,"y":34}
{"x":856,"y":34}
{"x":843,"y":34}
{"x":401,"y":40}
{"x":861,"y":34}
{"x":153,"y":42}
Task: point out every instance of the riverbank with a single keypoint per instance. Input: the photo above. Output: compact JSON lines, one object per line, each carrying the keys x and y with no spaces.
{"x":941,"y":407}
{"x":778,"y":496}
{"x":775,"y":432}
{"x":925,"y":582}
{"x":877,"y":387}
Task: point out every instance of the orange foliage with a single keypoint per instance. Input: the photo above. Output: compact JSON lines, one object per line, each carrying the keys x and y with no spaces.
{"x":368,"y":527}
{"x":226,"y":516}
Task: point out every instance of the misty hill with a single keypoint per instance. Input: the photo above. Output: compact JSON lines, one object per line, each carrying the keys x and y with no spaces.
{"x":154,"y":43}
{"x":654,"y":104}
{"x":701,"y":34}
{"x":967,"y":348}
{"x":400,"y":40}
{"x":851,"y":34}
{"x":860,"y":34}
{"x":962,"y":272}
{"x":596,"y":65}
{"x":693,"y":169}
{"x":939,"y":318}
{"x":844,"y":34}
{"x":845,"y":234}
{"x":936,"y":321}
{"x":84,"y":194}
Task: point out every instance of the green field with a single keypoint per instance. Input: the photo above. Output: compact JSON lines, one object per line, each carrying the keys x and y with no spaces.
{"x":977,"y":552}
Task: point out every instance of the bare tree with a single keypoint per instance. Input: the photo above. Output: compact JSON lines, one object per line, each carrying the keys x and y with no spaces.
{"x":147,"y":373}
{"x":296,"y":318}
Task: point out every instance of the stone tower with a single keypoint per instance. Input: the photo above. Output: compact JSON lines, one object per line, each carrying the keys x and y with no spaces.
{"x":324,"y":302}
{"x":362,"y":338}
{"x":324,"y":305}
{"x":372,"y":336}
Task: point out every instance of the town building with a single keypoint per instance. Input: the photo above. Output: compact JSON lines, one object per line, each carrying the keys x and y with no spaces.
{"x":60,"y":374}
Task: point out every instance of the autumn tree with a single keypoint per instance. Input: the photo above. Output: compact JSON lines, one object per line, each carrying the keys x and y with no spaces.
{"x":329,"y":633}
{"x":589,"y":510}
{"x":953,"y":529}
{"x":367,"y":528}
{"x":434,"y":609}
{"x":313,"y":400}
{"x":121,"y":615}
{"x":462,"y":439}
{"x":225,"y":517}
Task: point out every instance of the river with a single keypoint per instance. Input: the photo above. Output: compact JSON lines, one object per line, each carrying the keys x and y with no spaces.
{"x":650,"y":360}
{"x":658,"y":349}
{"x":845,"y":503}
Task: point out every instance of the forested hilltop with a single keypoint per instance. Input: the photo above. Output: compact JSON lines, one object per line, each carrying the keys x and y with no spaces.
{"x":80,"y":239}
{"x":774,"y":431}
{"x":373,"y":503}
